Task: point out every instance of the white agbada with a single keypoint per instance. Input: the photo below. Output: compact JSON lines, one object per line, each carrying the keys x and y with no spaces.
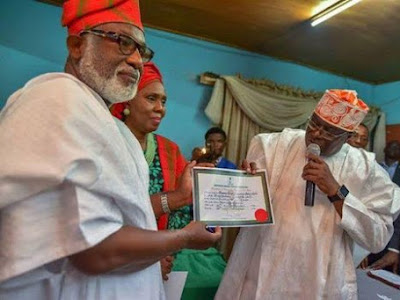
{"x":307,"y":254}
{"x":70,"y":175}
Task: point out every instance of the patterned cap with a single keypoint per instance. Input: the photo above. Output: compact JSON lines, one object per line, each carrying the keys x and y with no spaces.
{"x":80,"y":15}
{"x":342,"y":109}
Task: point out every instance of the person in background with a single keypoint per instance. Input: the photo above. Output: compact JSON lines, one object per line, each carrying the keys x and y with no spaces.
{"x":360,"y":138}
{"x":215,"y":139}
{"x":391,"y":162}
{"x":171,"y":181}
{"x":307,"y":254}
{"x":76,"y":221}
{"x":388,"y":258}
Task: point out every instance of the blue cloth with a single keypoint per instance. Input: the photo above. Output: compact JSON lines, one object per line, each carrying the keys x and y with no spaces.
{"x":225,"y":164}
{"x":390,"y":169}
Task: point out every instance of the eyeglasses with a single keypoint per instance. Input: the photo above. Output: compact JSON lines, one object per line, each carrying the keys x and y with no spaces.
{"x":323,"y":132}
{"x":127,"y":45}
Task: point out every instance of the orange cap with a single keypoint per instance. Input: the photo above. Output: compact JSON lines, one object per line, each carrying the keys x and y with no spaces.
{"x":342,"y":109}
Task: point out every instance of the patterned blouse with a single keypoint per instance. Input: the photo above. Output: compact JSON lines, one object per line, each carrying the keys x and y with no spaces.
{"x":178,"y":218}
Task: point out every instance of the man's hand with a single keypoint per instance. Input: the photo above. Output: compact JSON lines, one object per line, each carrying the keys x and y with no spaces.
{"x":363,"y":264}
{"x":137,"y":248}
{"x":166,"y":266}
{"x":250,"y":168}
{"x":197,"y":237}
{"x":317,"y":171}
{"x":390,"y":259}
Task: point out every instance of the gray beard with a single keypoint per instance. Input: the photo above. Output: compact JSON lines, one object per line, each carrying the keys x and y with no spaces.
{"x":109,"y":88}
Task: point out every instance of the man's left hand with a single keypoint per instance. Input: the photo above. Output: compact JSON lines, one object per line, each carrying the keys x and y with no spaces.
{"x":317,"y":171}
{"x":364,"y":263}
{"x":250,"y":168}
{"x":166,"y":266}
{"x":390,"y":259}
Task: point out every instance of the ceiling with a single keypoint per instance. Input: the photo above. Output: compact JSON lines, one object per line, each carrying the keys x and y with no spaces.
{"x":362,"y":42}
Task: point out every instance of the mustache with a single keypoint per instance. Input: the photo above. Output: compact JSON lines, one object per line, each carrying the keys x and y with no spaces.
{"x":134,"y":73}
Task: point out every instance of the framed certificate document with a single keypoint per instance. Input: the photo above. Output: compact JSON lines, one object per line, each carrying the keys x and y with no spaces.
{"x":231,"y":198}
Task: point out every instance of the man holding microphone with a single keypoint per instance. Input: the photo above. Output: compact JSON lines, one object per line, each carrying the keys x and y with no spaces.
{"x":307,"y":254}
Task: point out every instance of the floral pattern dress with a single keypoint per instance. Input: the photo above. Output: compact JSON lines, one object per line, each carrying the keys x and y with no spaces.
{"x":178,"y":218}
{"x":156,"y":176}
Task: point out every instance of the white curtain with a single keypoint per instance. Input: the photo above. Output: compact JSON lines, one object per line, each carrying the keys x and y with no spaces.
{"x":376,"y":123}
{"x":244,"y":108}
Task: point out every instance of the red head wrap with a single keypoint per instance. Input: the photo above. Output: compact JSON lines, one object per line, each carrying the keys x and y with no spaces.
{"x":150,"y":73}
{"x":79,"y":15}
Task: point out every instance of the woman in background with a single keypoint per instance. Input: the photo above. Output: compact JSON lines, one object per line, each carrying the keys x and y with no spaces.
{"x":170,"y":183}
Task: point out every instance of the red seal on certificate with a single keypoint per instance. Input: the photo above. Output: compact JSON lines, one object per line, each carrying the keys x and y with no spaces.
{"x":261,"y":215}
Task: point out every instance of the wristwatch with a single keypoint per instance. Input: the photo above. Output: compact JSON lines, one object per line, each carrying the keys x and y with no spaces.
{"x":340,"y":194}
{"x":164,"y":203}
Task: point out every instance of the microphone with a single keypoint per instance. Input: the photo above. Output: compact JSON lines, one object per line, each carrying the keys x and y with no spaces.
{"x":310,"y":186}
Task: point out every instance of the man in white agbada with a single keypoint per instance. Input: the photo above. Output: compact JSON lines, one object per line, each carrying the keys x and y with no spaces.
{"x":76,"y":220}
{"x":307,"y":254}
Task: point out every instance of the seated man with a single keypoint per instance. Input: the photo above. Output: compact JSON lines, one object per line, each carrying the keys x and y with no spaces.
{"x":307,"y":253}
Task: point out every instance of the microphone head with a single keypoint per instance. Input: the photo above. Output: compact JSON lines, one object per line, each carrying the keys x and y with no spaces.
{"x":314,"y":149}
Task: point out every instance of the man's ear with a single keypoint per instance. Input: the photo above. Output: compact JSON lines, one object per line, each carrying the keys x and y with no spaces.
{"x":75,"y":46}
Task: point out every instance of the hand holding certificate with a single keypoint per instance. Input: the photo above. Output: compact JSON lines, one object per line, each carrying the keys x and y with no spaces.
{"x":231,"y":198}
